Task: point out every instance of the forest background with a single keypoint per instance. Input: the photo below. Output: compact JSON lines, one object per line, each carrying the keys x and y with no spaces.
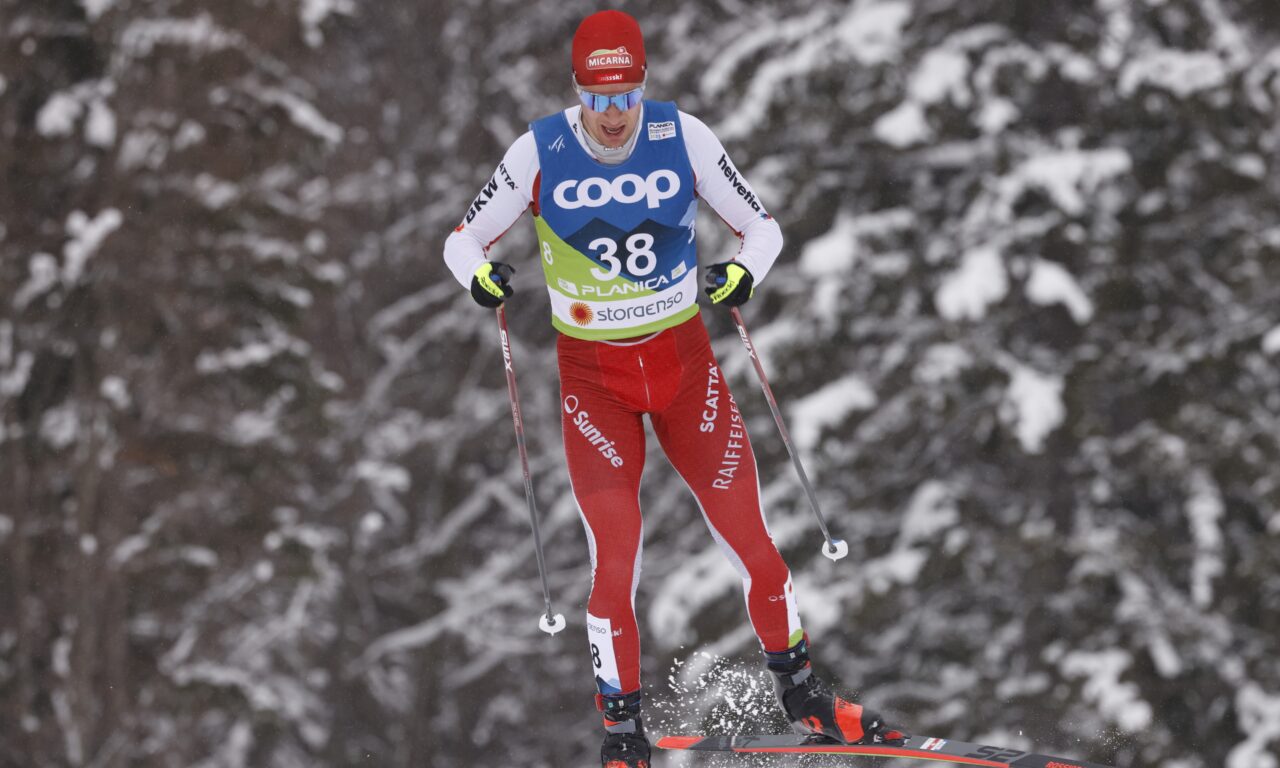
{"x":259,"y":497}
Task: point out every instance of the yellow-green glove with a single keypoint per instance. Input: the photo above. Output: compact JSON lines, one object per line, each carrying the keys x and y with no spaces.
{"x":729,"y":283}
{"x":491,"y":284}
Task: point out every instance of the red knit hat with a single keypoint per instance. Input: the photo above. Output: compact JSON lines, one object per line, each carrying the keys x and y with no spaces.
{"x":608,"y":48}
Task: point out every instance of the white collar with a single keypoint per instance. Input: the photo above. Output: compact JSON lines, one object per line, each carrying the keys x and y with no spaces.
{"x":596,"y":149}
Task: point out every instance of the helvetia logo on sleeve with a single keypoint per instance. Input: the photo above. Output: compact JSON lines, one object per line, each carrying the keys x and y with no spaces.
{"x":618,"y":58}
{"x":731,"y":174}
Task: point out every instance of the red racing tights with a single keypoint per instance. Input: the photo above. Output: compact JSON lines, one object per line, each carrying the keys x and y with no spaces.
{"x":605,"y":389}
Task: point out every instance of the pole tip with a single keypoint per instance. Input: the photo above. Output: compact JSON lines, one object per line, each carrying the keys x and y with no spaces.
{"x":551,"y":624}
{"x":835,"y":549}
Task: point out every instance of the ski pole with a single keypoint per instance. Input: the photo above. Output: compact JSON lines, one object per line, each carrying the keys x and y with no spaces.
{"x":549,"y":622}
{"x":834,"y":549}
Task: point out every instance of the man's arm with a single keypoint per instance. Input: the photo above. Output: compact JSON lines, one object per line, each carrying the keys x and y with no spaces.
{"x":507,"y":194}
{"x":730,"y":196}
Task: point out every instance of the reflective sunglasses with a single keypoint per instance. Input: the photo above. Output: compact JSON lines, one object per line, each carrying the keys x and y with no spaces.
{"x":598,"y":102}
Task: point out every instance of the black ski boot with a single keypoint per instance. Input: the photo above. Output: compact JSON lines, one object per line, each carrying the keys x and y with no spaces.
{"x":814,"y":710}
{"x":625,"y":745}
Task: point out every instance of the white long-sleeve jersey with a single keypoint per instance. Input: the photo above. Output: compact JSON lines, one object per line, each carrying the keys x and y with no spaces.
{"x":511,"y":189}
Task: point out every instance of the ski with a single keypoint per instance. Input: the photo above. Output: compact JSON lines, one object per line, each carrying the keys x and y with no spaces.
{"x":916,"y":747}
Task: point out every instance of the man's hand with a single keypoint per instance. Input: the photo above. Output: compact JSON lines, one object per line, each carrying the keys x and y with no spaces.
{"x":491,"y":284}
{"x":729,"y":283}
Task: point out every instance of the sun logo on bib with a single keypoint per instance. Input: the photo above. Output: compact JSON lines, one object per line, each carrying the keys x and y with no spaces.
{"x":581,"y":313}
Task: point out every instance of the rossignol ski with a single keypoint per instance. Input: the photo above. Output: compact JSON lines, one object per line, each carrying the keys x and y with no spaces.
{"x":915,"y":747}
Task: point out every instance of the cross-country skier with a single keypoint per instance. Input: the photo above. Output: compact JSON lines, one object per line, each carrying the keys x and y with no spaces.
{"x":614,"y":184}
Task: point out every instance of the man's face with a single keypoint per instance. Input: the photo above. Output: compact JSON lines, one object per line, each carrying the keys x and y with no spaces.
{"x":613,"y":126}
